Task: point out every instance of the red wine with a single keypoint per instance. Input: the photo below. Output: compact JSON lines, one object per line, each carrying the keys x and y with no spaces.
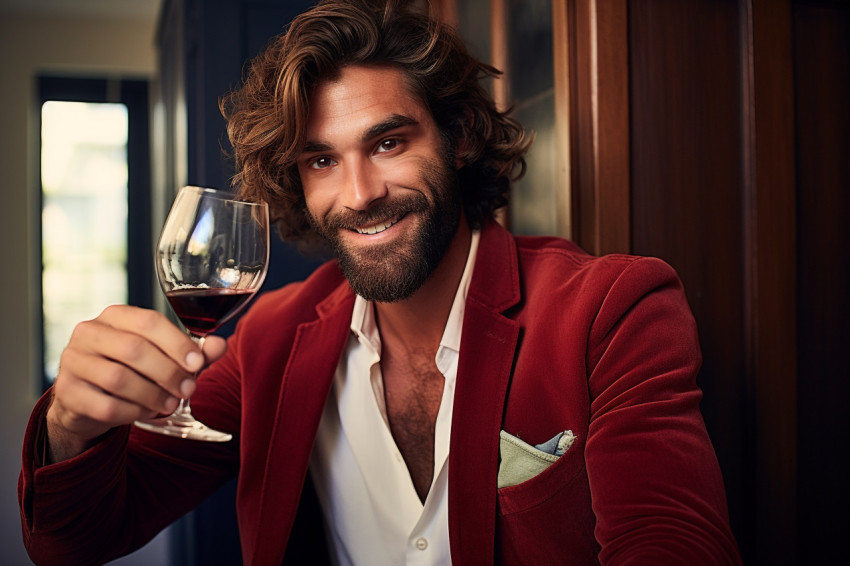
{"x":203,"y":310}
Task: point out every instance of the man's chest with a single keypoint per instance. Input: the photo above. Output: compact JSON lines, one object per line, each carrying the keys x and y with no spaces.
{"x":413,"y":388}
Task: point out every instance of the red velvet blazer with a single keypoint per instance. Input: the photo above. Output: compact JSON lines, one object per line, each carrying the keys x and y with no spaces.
{"x":553,"y":339}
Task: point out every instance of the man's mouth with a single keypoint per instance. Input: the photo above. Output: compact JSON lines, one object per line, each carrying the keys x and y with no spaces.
{"x":377,"y":228}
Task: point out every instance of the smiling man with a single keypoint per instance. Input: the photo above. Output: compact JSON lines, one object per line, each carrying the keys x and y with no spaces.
{"x":380,"y":185}
{"x":442,"y":392}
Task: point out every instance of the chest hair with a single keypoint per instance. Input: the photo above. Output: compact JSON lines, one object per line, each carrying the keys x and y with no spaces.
{"x":413,"y":387}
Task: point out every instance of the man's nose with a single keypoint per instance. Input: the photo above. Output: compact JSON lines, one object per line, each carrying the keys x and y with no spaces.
{"x":363,"y":184}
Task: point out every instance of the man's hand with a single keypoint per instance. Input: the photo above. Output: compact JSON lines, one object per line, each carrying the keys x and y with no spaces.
{"x":126,"y":364}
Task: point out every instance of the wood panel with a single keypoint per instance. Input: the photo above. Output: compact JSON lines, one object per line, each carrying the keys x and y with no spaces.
{"x":821,"y":39}
{"x":562,"y":47}
{"x":686,"y":200}
{"x":600,"y":124}
{"x":770,"y":256}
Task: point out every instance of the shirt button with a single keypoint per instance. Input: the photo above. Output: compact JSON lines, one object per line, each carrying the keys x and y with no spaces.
{"x":421,"y":543}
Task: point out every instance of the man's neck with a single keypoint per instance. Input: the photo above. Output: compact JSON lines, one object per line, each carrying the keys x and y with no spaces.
{"x":419,"y":321}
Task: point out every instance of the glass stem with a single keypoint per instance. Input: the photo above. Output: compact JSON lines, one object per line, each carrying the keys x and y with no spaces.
{"x":183,"y":410}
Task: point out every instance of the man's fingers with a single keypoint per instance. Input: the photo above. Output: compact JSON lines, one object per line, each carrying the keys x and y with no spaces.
{"x":157,"y":329}
{"x":88,"y":411}
{"x":118,"y":382}
{"x":128,"y":353}
{"x":126,"y":364}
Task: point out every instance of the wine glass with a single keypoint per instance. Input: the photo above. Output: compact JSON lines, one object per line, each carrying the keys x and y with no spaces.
{"x":211,"y":259}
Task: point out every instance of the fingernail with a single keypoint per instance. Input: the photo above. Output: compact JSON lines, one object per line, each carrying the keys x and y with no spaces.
{"x":194,"y":361}
{"x":187,"y":387}
{"x":171,"y":404}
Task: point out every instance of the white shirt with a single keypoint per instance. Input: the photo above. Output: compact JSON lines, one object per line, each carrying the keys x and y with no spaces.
{"x":373,"y":515}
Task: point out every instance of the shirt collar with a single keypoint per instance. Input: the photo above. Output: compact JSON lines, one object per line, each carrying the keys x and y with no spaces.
{"x":451,"y":335}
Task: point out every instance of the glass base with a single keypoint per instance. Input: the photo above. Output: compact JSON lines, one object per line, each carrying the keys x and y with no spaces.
{"x":183,"y":426}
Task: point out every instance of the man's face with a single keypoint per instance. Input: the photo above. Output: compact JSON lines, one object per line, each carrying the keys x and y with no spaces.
{"x":379,"y":183}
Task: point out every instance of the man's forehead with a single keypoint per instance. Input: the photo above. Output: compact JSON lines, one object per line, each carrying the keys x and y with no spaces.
{"x":384,"y":70}
{"x":374,"y":81}
{"x":362,"y":102}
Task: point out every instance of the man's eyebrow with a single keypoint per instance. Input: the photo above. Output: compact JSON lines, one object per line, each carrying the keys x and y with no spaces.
{"x":390,"y":123}
{"x":315,"y":147}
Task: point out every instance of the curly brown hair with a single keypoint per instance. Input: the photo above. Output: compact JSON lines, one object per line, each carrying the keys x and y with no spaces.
{"x":267,"y":116}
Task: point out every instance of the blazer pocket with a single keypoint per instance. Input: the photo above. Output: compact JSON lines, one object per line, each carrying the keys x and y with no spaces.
{"x":547,"y":483}
{"x":520,"y":461}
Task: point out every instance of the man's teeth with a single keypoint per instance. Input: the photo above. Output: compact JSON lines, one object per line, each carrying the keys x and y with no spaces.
{"x":376,"y":228}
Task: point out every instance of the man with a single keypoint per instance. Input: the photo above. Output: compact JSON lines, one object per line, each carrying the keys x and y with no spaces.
{"x":443,"y":392}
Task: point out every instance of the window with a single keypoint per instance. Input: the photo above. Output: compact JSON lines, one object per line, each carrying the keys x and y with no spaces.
{"x":95,"y":219}
{"x":83,"y":216}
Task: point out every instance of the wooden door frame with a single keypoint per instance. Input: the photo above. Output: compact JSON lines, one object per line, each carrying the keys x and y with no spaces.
{"x":592,"y":115}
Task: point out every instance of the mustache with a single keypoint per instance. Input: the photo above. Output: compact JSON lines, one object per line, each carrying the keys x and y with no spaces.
{"x":382,"y":210}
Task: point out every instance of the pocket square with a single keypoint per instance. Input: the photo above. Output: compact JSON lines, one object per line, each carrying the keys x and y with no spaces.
{"x":521,"y":461}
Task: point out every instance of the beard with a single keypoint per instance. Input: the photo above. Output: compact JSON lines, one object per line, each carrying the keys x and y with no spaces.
{"x":393,"y":271}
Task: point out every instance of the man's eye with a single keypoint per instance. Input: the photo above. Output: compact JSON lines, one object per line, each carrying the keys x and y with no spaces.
{"x":321,"y":163}
{"x":388,"y":145}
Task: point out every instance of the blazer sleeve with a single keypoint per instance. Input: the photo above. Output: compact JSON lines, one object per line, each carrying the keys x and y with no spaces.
{"x":656,"y":486}
{"x":116,"y":496}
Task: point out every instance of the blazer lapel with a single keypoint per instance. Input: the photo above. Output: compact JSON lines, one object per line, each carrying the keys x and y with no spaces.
{"x":488,"y":345}
{"x":305,"y":387}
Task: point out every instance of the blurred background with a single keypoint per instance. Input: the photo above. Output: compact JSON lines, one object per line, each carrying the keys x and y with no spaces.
{"x":714,"y":134}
